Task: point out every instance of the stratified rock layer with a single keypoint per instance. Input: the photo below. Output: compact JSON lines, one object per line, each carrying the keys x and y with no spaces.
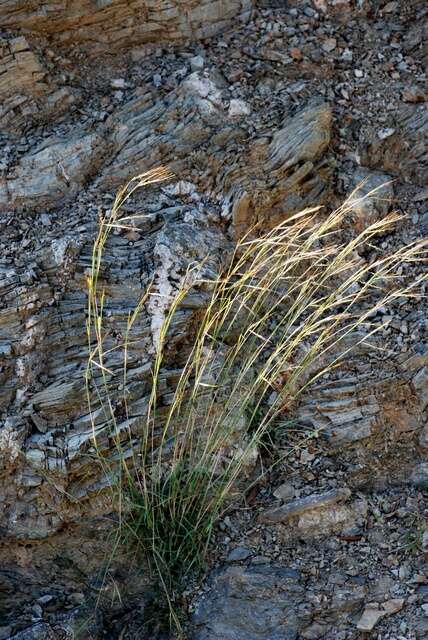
{"x":26,"y":88}
{"x":105,"y":25}
{"x":238,"y":163}
{"x":44,"y":346}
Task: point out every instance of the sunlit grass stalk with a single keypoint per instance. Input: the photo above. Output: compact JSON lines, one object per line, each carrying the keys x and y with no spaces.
{"x":278,"y":319}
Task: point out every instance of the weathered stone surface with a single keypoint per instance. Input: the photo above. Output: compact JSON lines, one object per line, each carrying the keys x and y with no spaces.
{"x":372,"y":197}
{"x":271,"y":602}
{"x":39,"y":631}
{"x":419,"y":475}
{"x":316,"y":515}
{"x":361,"y":416}
{"x":235,"y":119}
{"x":50,"y":479}
{"x":47,"y":437}
{"x":405,"y":152}
{"x":42,"y":323}
{"x":132,"y":141}
{"x":348,"y":413}
{"x":248,"y":604}
{"x":65,"y":593}
{"x":324,"y":521}
{"x":375,"y":612}
{"x":105,"y":25}
{"x":295,"y":174}
{"x":26,"y":88}
{"x":53,"y":170}
{"x":298,"y":507}
{"x":52,"y":444}
{"x":177,"y":132}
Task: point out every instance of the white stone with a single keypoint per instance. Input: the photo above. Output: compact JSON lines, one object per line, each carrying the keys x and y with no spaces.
{"x":385,"y":133}
{"x":197,"y":63}
{"x":238,"y":108}
{"x":118,"y":83}
{"x":329,"y":44}
{"x":347,"y":55}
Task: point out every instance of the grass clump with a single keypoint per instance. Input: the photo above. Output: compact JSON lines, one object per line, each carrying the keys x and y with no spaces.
{"x":291,"y":304}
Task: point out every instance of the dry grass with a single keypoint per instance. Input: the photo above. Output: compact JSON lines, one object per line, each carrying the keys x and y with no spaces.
{"x":284,"y":312}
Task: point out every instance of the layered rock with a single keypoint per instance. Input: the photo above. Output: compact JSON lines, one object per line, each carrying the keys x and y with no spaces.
{"x":404,"y":152}
{"x":51,"y":477}
{"x":190,"y":128}
{"x":49,"y":343}
{"x":107,"y":25}
{"x":294,"y":169}
{"x":43,"y":328}
{"x":27,"y":89}
{"x":57,"y":506}
{"x":51,"y":171}
{"x":186,"y":131}
{"x":361,"y":416}
{"x":272,"y":601}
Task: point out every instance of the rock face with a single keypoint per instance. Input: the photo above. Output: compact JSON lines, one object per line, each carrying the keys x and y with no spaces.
{"x":295,"y":167}
{"x":299,"y":507}
{"x":47,"y":435}
{"x":43,"y":327}
{"x":91,"y":94}
{"x":405,"y":151}
{"x":373,"y":193}
{"x":25,"y":85}
{"x":105,"y":25}
{"x":53,"y":170}
{"x":274,"y":602}
{"x":132,"y":142}
{"x":354,"y":412}
{"x":58,"y":428}
{"x":249,"y":601}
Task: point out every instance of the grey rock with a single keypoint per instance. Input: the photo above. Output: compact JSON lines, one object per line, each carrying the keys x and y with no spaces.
{"x":258,"y":603}
{"x":271,"y":602}
{"x":423,"y":438}
{"x":40,"y":631}
{"x":260,"y":560}
{"x":404,"y":153}
{"x":301,"y":505}
{"x":238,"y":554}
{"x":422,"y":593}
{"x":359,"y":413}
{"x":118,"y":24}
{"x":50,"y":172}
{"x":419,"y":475}
{"x":284,"y":492}
{"x":26,"y":88}
{"x":385,"y":133}
{"x":315,"y":631}
{"x":237,"y":160}
{"x":424,"y":223}
{"x":370,"y":617}
{"x":371,"y":197}
{"x":157,"y":80}
{"x":375,"y":612}
{"x":297,"y":171}
{"x":420,"y":381}
{"x":421,"y":628}
{"x":197,"y":63}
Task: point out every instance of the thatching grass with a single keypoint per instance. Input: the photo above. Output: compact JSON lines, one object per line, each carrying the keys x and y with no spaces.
{"x":285,"y":311}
